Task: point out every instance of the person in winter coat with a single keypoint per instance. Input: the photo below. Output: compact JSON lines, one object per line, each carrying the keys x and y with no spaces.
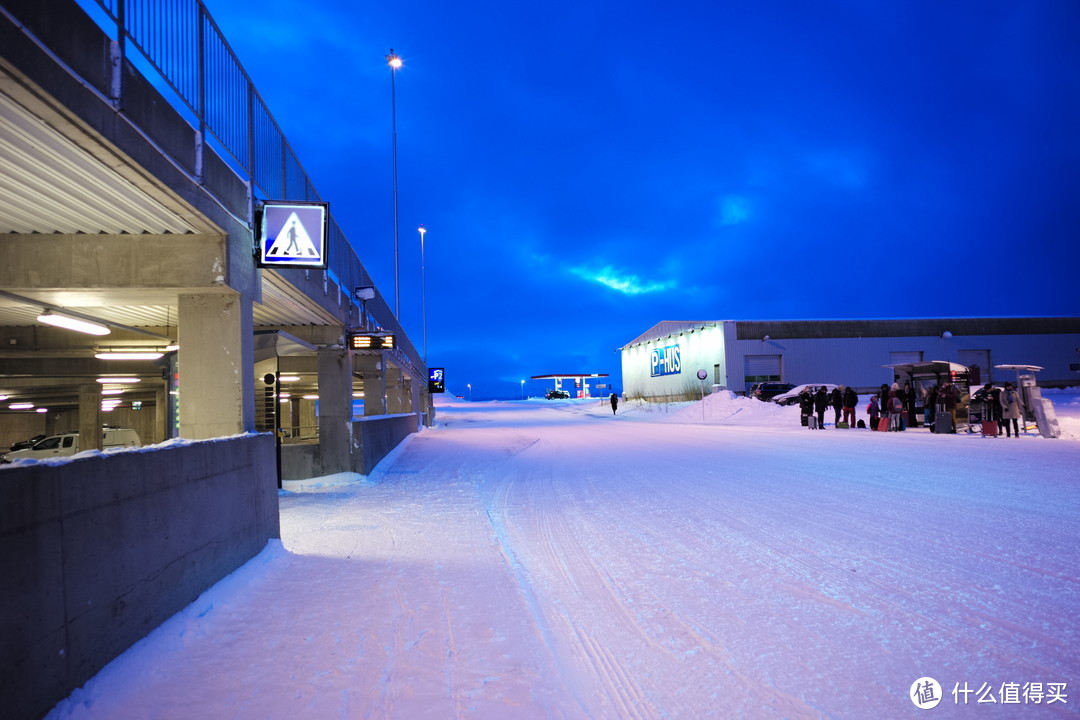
{"x":930,"y":405}
{"x":910,"y":399}
{"x":806,"y":405}
{"x":836,"y":399}
{"x":851,"y":399}
{"x":874,"y":411}
{"x":821,"y":404}
{"x":896,"y":409}
{"x":948,"y":396}
{"x":1012,"y":407}
{"x":895,"y":390}
{"x":614,"y":402}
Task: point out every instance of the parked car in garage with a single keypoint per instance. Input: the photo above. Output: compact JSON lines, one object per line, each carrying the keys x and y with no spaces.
{"x":27,"y":443}
{"x":792,"y":396}
{"x":67,"y":443}
{"x":768,"y":390}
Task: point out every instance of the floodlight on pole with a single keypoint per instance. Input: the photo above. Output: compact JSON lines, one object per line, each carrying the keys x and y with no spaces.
{"x":423,"y":288}
{"x":394,"y":62}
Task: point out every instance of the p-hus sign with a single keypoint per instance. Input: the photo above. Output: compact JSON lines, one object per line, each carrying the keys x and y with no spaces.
{"x":665,"y":361}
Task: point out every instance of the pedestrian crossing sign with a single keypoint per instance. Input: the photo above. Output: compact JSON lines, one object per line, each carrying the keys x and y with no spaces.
{"x":293,"y":234}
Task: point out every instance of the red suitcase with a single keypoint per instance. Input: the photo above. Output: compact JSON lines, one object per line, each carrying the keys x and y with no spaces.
{"x":990,"y":427}
{"x":883,"y":424}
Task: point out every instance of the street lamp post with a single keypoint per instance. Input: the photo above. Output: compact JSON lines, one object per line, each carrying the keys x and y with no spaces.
{"x":469,"y":385}
{"x":423,"y":289}
{"x":395,"y":62}
{"x":522,"y":389}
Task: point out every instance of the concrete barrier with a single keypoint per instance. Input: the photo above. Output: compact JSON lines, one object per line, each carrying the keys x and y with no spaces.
{"x":98,"y":551}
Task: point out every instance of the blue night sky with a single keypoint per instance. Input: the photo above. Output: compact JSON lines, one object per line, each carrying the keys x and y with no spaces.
{"x":586,"y":170}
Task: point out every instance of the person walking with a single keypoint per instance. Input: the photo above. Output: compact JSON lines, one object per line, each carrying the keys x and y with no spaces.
{"x":1012,"y":408}
{"x":851,"y":399}
{"x":614,"y":402}
{"x":821,"y":404}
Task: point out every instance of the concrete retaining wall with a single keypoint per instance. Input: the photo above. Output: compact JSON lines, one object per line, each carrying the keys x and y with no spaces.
{"x":97,"y":552}
{"x":378,"y":435}
{"x":373,"y":439}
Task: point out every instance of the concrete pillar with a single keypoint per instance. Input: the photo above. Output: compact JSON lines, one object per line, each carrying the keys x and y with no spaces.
{"x":215,"y":361}
{"x":292,"y":422}
{"x":370,"y":369}
{"x":335,"y":411}
{"x":90,"y":435}
{"x":161,"y":415}
{"x":395,"y":396}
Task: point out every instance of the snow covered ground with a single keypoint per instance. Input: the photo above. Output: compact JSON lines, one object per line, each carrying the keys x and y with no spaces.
{"x":548,"y":560}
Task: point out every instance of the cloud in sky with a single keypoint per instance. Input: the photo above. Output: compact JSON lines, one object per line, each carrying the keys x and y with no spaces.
{"x":620,"y":281}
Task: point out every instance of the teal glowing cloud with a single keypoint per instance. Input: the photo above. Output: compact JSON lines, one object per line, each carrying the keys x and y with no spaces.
{"x":619,"y":281}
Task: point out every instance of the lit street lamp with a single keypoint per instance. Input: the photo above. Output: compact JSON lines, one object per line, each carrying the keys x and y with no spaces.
{"x":395,"y":62}
{"x":522,"y":389}
{"x":423,"y":288}
{"x":469,"y":385}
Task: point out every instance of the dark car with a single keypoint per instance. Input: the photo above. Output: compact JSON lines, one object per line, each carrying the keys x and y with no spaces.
{"x":557,"y":395}
{"x":768,"y":390}
{"x":28,"y":443}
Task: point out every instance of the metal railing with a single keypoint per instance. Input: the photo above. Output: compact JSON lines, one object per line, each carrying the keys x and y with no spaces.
{"x":181,"y":41}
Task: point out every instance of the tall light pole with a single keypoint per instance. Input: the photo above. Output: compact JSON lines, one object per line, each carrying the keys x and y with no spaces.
{"x":395,"y":62}
{"x":522,"y":389}
{"x":423,"y":288}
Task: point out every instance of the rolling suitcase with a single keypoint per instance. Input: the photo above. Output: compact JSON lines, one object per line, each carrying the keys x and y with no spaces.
{"x":811,"y":422}
{"x":989,"y":424}
{"x":943,"y":422}
{"x":883,"y":424}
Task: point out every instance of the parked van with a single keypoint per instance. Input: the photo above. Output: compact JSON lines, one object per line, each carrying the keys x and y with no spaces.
{"x":67,"y":443}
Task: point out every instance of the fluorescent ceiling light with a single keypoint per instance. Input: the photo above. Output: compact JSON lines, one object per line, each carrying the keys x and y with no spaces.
{"x":129,"y":355}
{"x":4,"y":397}
{"x":41,"y":410}
{"x":289,"y":378}
{"x":119,"y":379}
{"x":311,"y":397}
{"x":72,"y":323}
{"x":112,"y":391}
{"x":21,"y":406}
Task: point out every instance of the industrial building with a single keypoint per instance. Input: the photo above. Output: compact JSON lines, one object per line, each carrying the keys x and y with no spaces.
{"x":678,"y":359}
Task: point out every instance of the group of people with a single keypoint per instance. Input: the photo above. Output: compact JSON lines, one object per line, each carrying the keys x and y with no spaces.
{"x":816,"y":403}
{"x":896,"y":405}
{"x":893,"y":407}
{"x":1003,"y":406}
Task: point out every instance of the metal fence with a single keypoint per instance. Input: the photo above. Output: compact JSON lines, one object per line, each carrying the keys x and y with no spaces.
{"x":181,"y":41}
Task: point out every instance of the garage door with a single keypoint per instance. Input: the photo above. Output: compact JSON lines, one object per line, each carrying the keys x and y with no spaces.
{"x":761,"y":368}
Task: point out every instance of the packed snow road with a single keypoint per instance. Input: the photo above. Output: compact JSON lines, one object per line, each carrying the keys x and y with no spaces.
{"x":532,"y":560}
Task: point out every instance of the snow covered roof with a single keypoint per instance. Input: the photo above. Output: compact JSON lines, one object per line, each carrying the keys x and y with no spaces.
{"x":667,"y":327}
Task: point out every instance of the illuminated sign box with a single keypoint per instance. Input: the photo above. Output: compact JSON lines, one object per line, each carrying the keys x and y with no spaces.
{"x":436,"y":380}
{"x":665,"y":361}
{"x":293,"y":234}
{"x":371,"y":341}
